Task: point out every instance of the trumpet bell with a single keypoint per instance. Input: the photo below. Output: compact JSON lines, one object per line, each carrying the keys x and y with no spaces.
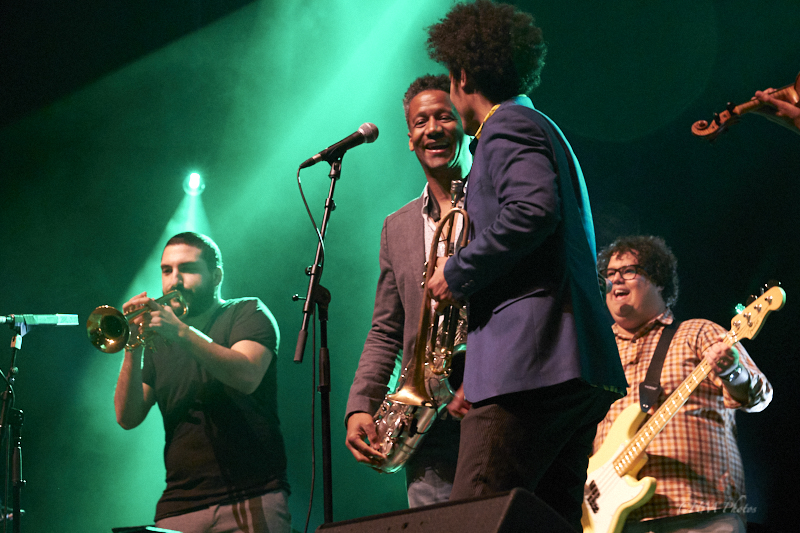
{"x":108,"y":329}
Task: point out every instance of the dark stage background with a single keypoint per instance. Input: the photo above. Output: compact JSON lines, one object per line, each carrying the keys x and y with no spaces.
{"x":106,"y":108}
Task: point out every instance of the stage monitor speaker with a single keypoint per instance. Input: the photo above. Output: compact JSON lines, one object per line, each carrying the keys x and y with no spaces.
{"x":517,"y":511}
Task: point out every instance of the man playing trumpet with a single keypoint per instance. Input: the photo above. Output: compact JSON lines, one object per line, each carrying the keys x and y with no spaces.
{"x":213,"y":375}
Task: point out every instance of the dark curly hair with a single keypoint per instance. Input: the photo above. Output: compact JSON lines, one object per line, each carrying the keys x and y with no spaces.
{"x":499,"y":47}
{"x":427,"y":82}
{"x":654,"y":256}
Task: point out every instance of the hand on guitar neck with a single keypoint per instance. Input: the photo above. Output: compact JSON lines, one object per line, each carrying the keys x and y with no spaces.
{"x":724,"y":362}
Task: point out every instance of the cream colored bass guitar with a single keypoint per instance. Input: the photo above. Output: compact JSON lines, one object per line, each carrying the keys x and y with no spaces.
{"x":612,"y":489}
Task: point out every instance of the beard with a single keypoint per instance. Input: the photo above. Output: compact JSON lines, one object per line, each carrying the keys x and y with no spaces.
{"x":198,"y":300}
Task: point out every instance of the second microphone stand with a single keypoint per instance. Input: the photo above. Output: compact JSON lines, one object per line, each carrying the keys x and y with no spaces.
{"x":321,"y":297}
{"x":11,"y":437}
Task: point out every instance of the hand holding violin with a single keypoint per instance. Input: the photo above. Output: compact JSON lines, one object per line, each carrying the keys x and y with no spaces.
{"x":781,"y":111}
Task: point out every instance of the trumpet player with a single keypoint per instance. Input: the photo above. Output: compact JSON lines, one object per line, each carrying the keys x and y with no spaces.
{"x":213,"y":374}
{"x":437,"y":139}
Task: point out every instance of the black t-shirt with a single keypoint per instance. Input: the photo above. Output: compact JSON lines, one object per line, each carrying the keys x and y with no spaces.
{"x":221,"y":445}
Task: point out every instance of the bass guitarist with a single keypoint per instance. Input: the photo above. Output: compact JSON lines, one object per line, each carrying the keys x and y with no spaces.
{"x":695,"y":459}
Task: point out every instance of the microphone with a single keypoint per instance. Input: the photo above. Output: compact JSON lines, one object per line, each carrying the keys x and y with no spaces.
{"x":367,"y":133}
{"x":40,"y":320}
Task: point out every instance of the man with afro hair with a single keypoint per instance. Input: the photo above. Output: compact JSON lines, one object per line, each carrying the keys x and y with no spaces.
{"x":541,"y":366}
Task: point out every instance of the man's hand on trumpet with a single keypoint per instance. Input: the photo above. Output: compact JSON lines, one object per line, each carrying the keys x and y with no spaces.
{"x":137,"y":302}
{"x":164,"y":322}
{"x":440,"y":290}
{"x":137,"y":324}
{"x":160,"y":319}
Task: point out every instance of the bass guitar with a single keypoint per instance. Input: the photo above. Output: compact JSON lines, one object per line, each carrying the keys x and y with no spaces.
{"x":612,"y":490}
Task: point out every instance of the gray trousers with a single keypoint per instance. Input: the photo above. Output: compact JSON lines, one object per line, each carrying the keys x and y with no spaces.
{"x":262,"y":514}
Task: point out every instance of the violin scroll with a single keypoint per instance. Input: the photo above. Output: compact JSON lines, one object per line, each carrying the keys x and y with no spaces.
{"x":718,"y":125}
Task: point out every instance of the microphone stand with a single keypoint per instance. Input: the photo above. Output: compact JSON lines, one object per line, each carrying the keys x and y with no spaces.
{"x":321,"y":297}
{"x":11,"y":427}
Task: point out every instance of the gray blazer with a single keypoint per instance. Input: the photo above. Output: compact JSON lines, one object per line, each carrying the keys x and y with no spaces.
{"x":398,"y":302}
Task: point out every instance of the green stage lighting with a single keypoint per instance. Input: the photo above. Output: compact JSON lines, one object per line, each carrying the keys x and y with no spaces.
{"x":194,"y":185}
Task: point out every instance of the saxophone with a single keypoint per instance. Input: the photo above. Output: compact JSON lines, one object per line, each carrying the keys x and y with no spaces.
{"x":423,"y":389}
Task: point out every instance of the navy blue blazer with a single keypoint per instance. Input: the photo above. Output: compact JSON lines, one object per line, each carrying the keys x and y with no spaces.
{"x":536,"y":313}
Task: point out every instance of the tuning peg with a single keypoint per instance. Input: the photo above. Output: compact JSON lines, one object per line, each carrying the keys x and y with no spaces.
{"x":773,"y":283}
{"x":750,"y":299}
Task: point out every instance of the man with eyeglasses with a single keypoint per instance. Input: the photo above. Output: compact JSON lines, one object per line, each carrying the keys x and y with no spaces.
{"x":695,"y":459}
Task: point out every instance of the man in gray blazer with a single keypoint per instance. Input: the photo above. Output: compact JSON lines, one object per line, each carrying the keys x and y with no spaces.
{"x":437,"y":139}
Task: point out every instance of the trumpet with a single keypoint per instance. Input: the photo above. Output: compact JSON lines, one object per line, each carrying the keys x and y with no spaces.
{"x":109,"y":330}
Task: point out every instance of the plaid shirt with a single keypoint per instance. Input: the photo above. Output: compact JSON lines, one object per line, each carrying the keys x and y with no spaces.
{"x":695,"y":459}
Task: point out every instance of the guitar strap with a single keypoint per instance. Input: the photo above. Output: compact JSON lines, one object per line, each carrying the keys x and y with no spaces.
{"x":650,"y":388}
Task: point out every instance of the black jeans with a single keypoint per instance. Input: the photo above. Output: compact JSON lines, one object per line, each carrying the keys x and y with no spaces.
{"x":539,"y":440}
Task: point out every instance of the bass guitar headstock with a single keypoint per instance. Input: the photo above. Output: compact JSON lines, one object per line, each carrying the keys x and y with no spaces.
{"x":748,"y":322}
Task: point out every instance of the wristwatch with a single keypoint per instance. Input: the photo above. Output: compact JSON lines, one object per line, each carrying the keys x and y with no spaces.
{"x":733,"y":374}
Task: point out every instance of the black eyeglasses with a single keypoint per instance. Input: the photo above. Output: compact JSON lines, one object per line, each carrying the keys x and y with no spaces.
{"x":627,"y":271}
